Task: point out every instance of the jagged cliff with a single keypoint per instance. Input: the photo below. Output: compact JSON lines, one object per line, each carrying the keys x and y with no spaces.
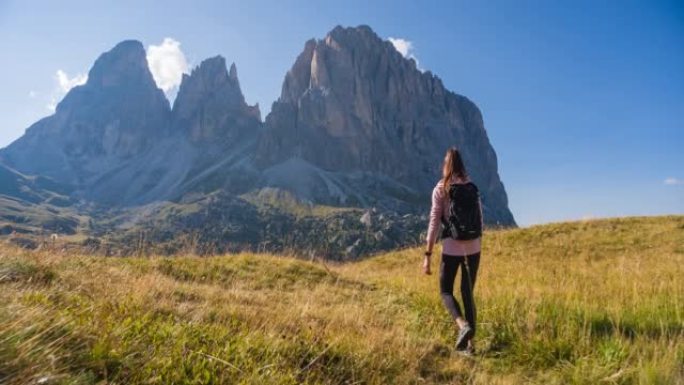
{"x":354,"y":106}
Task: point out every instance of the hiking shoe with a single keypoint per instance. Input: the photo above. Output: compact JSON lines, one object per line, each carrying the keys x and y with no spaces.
{"x":463,"y":336}
{"x":467,"y":352}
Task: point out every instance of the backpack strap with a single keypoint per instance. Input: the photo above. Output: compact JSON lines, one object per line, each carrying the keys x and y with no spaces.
{"x":446,"y":233}
{"x":445,"y":225}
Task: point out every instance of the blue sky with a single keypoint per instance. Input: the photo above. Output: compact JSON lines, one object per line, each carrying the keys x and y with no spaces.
{"x":582,"y":100}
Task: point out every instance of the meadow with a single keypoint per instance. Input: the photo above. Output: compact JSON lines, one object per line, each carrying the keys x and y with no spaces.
{"x":590,"y":302}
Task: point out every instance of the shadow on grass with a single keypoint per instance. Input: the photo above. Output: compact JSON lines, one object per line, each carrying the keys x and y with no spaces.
{"x":603,"y":326}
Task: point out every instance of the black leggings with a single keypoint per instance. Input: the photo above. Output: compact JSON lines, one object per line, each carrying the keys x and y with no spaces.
{"x":447,"y":275}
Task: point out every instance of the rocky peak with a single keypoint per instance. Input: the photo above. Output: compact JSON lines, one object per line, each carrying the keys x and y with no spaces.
{"x":337,"y":89}
{"x":125,"y":64}
{"x":119,"y":76}
{"x":351,"y":45}
{"x":210,"y":104}
{"x":298,"y":77}
{"x":210,"y":77}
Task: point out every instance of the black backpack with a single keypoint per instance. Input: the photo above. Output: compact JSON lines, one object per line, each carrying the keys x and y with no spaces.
{"x":465,"y":219}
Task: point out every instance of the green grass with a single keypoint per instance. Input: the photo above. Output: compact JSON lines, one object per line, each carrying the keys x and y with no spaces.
{"x":595,"y":302}
{"x":269,"y":199}
{"x":37,"y":218}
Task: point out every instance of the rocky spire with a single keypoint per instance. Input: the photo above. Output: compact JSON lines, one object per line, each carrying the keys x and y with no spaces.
{"x":210,"y":105}
{"x":233,"y":72}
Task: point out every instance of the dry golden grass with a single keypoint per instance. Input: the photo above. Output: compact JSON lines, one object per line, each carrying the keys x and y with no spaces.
{"x":584,"y":302}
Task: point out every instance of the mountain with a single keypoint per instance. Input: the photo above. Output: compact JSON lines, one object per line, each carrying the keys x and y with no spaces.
{"x":358,"y":118}
{"x":118,"y":114}
{"x":212,"y":132}
{"x":211,"y":111}
{"x":344,"y":164}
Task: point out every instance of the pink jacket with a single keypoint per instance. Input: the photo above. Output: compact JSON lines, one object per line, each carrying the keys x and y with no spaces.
{"x":440,"y":207}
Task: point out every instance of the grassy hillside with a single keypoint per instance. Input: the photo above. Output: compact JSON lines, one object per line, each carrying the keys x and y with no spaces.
{"x":597,"y":302}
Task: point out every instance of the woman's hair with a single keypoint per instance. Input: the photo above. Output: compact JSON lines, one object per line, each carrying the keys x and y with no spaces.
{"x":452,"y":167}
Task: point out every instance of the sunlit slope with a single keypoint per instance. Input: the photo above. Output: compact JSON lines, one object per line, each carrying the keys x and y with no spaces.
{"x":583,"y":302}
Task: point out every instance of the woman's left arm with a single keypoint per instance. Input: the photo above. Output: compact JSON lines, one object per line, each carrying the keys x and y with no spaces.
{"x":433,"y":227}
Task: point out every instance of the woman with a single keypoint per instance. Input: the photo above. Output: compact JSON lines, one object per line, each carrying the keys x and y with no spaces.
{"x":455,"y":253}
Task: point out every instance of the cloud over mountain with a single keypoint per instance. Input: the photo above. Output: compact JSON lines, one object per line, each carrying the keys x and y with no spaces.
{"x":167,"y":63}
{"x":405,"y":48}
{"x":64,"y":84}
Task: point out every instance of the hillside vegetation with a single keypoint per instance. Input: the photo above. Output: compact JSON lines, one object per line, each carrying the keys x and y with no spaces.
{"x":595,"y":302}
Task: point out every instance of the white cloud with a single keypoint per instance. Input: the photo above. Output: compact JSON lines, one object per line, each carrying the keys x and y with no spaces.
{"x":167,"y":64}
{"x":402,"y":45}
{"x":166,"y":61}
{"x":405,"y":48}
{"x":33,"y":94}
{"x":63,"y":84}
{"x":52,"y":104}
{"x":671,"y":181}
{"x":66,"y":83}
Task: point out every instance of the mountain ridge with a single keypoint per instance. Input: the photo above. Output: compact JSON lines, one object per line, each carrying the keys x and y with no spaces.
{"x":357,"y":125}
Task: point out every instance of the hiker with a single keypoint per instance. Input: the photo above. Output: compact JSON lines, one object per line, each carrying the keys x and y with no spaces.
{"x":457,"y":207}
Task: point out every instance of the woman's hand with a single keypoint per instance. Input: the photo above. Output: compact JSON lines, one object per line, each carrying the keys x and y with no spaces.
{"x":426,"y":264}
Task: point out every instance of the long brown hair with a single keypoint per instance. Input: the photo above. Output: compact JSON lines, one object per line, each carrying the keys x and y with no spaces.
{"x":453,"y":167}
